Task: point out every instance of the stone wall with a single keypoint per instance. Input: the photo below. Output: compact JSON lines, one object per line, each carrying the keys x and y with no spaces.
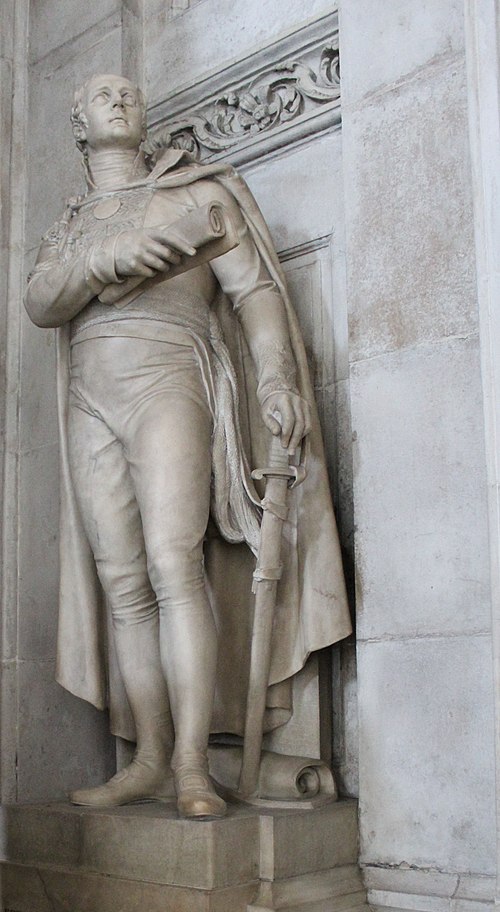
{"x":12,"y":115}
{"x":482,"y":33}
{"x":423,"y":595}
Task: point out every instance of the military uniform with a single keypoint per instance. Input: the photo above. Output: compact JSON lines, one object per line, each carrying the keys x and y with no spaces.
{"x":152,"y":392}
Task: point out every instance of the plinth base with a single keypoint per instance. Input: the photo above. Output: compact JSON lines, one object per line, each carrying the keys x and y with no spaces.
{"x":142,"y":858}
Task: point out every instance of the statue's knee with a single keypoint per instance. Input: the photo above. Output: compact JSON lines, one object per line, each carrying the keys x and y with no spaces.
{"x":130,"y":596}
{"x":175,"y":576}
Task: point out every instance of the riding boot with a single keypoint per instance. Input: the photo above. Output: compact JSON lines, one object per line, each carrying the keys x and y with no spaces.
{"x":148,"y":777}
{"x":188,"y":642}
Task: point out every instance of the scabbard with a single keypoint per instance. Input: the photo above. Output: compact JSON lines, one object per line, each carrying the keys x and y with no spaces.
{"x":266,"y":576}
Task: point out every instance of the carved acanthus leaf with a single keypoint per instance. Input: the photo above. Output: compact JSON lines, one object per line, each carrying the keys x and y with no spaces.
{"x":272,"y":99}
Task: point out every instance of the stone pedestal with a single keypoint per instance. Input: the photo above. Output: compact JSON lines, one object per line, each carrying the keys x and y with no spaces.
{"x":142,"y":858}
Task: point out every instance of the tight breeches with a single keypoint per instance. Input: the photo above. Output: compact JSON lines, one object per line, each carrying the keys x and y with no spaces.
{"x":140,"y":455}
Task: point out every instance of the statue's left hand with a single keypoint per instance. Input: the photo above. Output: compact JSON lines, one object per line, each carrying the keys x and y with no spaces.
{"x":287,"y":415}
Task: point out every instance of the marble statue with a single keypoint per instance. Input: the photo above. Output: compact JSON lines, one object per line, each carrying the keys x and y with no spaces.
{"x":176,"y":366}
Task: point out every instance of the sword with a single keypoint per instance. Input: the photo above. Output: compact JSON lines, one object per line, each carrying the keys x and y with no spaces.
{"x":279,"y":476}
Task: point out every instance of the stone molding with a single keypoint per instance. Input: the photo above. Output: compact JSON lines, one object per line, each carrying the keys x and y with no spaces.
{"x":310,"y":246}
{"x":428,"y":890}
{"x":274,"y":97}
{"x":415,"y":902}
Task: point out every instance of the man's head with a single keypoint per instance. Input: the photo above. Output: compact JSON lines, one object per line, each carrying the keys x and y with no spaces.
{"x":108,"y":112}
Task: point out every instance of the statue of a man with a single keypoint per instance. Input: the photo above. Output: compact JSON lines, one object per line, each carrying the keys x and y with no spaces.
{"x":157,"y":406}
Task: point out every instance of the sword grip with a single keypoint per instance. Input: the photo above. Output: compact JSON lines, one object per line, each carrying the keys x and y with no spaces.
{"x":278,"y":455}
{"x":279,"y":463}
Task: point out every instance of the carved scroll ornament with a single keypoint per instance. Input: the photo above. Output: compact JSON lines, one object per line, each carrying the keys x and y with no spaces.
{"x":277,"y":96}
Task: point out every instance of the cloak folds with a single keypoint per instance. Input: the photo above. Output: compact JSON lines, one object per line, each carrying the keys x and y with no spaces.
{"x":311,"y":610}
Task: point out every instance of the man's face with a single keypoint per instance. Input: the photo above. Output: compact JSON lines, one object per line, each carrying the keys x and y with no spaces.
{"x":114,"y":113}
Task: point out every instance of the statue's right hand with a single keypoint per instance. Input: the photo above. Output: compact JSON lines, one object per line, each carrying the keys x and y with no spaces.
{"x":147,"y":251}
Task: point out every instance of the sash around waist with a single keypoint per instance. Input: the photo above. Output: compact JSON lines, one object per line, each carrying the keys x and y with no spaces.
{"x":183,"y":310}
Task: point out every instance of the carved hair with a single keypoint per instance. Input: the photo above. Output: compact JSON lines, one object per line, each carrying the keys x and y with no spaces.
{"x":79,"y":121}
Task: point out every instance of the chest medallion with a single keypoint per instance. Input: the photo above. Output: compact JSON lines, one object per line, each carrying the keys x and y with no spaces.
{"x":106,"y":208}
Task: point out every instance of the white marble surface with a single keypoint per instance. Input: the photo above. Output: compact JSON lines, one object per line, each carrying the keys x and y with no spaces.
{"x":426,"y":675}
{"x":121,"y":842}
{"x":278,"y":183}
{"x":426,"y":753}
{"x":38,"y":553}
{"x":71,"y":748}
{"x":387,"y":43}
{"x":37,"y":416}
{"x":420,"y":492}
{"x":54,"y":24}
{"x":7,"y":32}
{"x":409,"y":212}
{"x":241,"y":27}
{"x":483,"y":63}
{"x":301,"y":735}
{"x":12,"y":116}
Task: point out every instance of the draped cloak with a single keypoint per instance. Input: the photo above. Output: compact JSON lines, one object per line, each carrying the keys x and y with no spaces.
{"x":311,"y":610}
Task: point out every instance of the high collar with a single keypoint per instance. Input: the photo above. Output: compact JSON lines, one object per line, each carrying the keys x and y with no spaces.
{"x":109,"y":168}
{"x":169,"y":160}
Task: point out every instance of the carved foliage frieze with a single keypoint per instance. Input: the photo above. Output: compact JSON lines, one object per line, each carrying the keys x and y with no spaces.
{"x":288,"y":92}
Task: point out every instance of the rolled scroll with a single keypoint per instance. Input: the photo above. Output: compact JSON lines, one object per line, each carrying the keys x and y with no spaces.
{"x":281,"y":777}
{"x":209,"y":229}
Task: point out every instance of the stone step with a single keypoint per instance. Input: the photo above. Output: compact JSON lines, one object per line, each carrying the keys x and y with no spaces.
{"x":26,"y":888}
{"x":57,"y":857}
{"x":335,"y":891}
{"x":319,"y":905}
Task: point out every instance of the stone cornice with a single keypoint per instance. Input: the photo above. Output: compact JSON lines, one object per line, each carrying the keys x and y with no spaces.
{"x":274,"y":97}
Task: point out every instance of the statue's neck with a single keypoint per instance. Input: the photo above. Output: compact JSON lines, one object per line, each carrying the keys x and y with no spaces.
{"x":110,"y":168}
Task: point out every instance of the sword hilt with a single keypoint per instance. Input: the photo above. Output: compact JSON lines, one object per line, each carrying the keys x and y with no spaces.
{"x":280,"y":466}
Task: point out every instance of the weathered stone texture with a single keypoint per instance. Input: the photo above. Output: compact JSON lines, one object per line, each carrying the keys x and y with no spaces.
{"x":423,"y":593}
{"x":421,"y":545}
{"x":38,"y":552}
{"x":236,"y":28}
{"x":384,"y":45}
{"x":83,"y":859}
{"x":53,"y":23}
{"x":293,"y":216}
{"x":411,"y":273}
{"x":62,"y":742}
{"x":426,"y":754}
